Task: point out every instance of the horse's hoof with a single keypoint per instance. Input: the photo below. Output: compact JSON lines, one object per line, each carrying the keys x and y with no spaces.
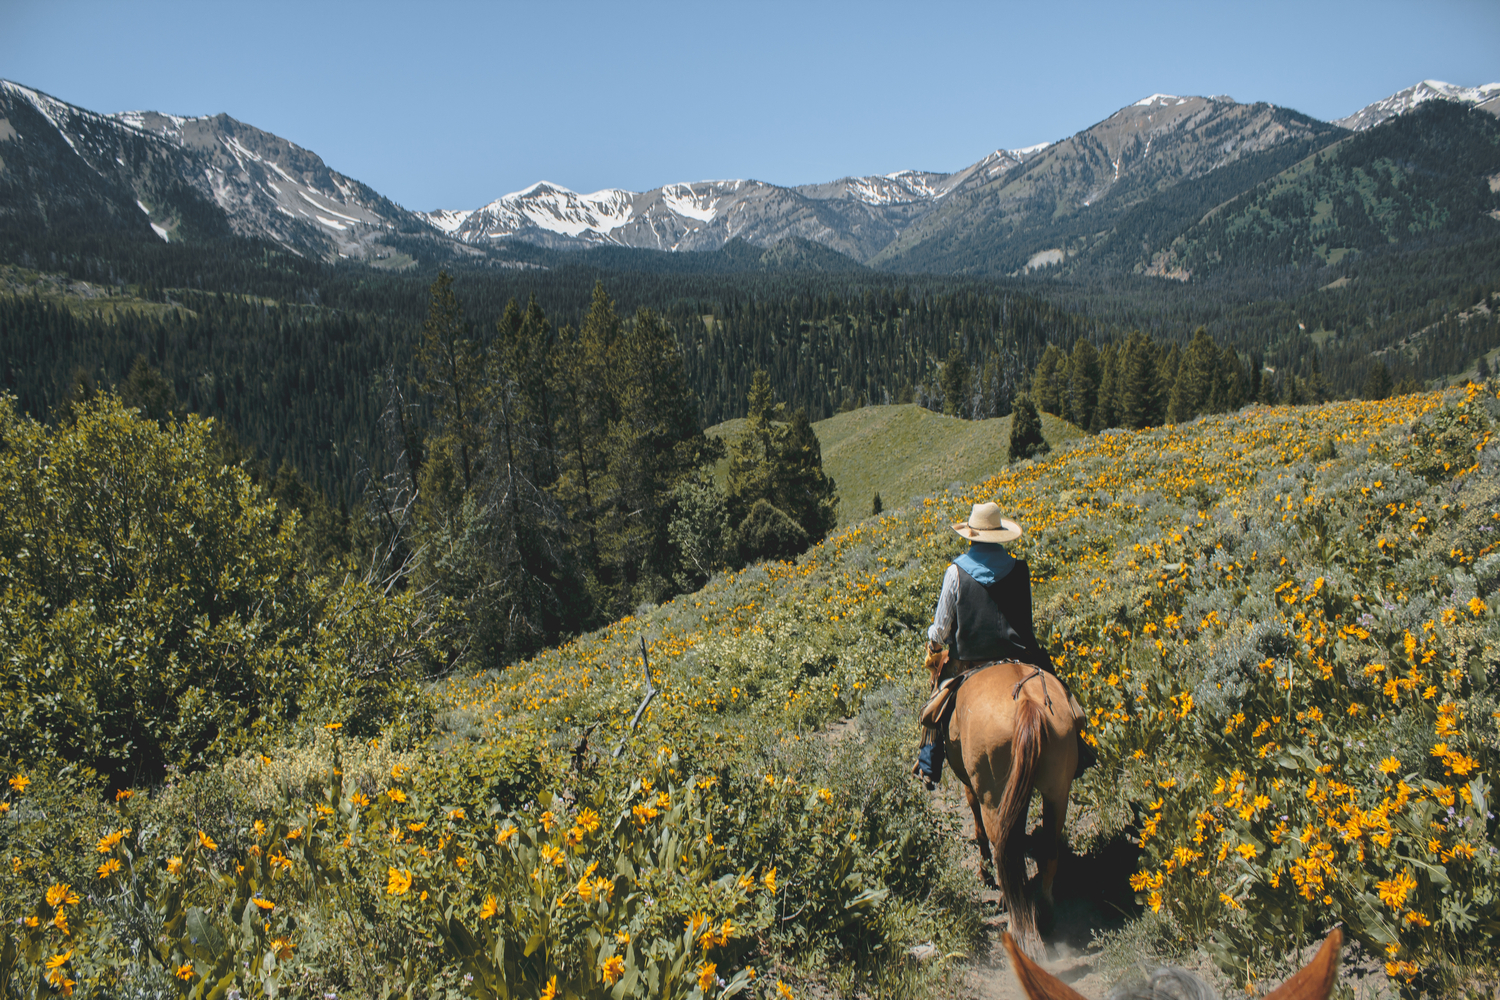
{"x":1046,"y":918}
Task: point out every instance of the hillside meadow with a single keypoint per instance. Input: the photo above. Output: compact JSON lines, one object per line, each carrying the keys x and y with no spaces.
{"x":1282,"y":622}
{"x":905,"y":452}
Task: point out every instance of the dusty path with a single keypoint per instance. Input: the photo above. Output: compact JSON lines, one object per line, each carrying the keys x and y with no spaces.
{"x":1080,"y":912}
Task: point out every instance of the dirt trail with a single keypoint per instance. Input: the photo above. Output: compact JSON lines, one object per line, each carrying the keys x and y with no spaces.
{"x":1079,"y":912}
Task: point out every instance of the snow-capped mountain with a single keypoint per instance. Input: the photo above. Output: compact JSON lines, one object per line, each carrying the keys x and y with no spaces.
{"x":1486,"y":97}
{"x":196,"y":177}
{"x":855,"y":215}
{"x":146,"y":175}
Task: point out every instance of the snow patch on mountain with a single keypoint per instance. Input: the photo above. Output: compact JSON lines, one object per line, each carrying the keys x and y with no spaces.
{"x":1403,"y":101}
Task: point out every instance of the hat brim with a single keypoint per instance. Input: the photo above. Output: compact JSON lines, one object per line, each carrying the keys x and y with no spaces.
{"x":1008,"y":531}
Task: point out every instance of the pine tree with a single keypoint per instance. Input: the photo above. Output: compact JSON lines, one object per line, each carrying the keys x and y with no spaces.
{"x":452,"y":372}
{"x":1084,"y":375}
{"x":1193,"y":386}
{"x":1137,"y":382}
{"x":780,"y":466}
{"x":1377,"y":382}
{"x":803,"y":490}
{"x":955,"y":384}
{"x":1026,"y":439}
{"x":1106,"y":410}
{"x":1045,"y":392}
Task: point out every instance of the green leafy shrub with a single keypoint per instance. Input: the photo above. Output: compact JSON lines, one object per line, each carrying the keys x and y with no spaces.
{"x":155,"y":609}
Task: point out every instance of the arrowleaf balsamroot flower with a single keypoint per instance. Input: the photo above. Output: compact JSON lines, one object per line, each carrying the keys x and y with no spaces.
{"x":398,"y":882}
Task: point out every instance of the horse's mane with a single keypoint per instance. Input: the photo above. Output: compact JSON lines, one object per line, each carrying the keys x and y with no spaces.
{"x":1167,"y":983}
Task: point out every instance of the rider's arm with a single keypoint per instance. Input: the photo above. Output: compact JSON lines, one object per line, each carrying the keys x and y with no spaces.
{"x":943,"y":619}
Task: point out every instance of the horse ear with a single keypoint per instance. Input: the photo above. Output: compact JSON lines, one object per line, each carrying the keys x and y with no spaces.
{"x":1038,"y":985}
{"x":1314,"y":981}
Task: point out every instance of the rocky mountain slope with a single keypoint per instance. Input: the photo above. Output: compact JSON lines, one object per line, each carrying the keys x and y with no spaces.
{"x":857,"y":216}
{"x":1434,"y":172}
{"x":182,"y":179}
{"x":1119,"y":195}
{"x":1486,"y":98}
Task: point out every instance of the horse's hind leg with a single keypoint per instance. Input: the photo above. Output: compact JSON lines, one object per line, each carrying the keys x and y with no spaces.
{"x":981,"y":838}
{"x":1046,"y":846}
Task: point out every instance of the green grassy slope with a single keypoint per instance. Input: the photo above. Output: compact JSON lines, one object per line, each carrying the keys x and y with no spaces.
{"x":905,"y":452}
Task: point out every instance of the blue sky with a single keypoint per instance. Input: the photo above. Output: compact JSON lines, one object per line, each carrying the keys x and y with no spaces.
{"x":452,"y":105}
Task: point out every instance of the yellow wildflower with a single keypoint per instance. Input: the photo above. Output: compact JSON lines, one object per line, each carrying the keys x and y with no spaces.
{"x":489,"y":909}
{"x":19,"y":783}
{"x":614,"y":968}
{"x":61,"y":893}
{"x":108,"y":868}
{"x":1393,"y":892}
{"x":107,"y":844}
{"x":174,"y":866}
{"x":399,"y":882}
{"x":206,"y":841}
{"x":549,"y":992}
{"x":707,"y":975}
{"x":184,"y":972}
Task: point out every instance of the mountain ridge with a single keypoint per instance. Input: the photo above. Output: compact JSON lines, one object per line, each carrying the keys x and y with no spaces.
{"x":1042,"y":207}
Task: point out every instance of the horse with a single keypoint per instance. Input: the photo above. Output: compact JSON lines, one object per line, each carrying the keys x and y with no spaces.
{"x":1012,"y":731}
{"x":1314,"y":981}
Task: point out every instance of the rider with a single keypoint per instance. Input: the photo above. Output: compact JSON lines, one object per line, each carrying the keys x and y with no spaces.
{"x":984,"y":609}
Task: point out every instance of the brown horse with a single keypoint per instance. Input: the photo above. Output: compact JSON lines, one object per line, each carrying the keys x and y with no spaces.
{"x":1012,"y":730}
{"x":1314,"y":981}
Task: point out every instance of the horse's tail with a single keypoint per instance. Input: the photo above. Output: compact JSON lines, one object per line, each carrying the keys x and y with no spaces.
{"x":1010,"y":860}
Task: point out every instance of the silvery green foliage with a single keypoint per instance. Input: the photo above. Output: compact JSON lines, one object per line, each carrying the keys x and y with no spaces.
{"x":699,"y":530}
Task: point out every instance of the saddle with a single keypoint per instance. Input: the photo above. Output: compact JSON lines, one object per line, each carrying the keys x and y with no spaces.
{"x":939,"y":706}
{"x":939,"y":709}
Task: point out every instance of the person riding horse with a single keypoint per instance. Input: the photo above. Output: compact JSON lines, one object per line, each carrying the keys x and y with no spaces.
{"x":984,"y":615}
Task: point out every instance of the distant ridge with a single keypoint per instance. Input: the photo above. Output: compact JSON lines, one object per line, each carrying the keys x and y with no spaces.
{"x":1486,"y":97}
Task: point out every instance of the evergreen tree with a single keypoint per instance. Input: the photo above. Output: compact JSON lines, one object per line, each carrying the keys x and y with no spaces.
{"x":1168,"y":363}
{"x":780,"y":466}
{"x":1137,"y":382}
{"x":804,"y":491}
{"x":955,"y":384}
{"x":1482,"y":368}
{"x":145,"y":390}
{"x":1106,"y":410}
{"x":1317,"y":386}
{"x":1026,"y":439}
{"x":1377,"y":382}
{"x":1233,"y":379}
{"x":452,"y":369}
{"x":876,"y":506}
{"x":1084,"y":375}
{"x":1045,"y":391}
{"x":651,"y":444}
{"x":1194,"y":384}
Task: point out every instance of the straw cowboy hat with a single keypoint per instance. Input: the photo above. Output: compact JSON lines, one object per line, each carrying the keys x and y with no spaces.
{"x":986,"y":525}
